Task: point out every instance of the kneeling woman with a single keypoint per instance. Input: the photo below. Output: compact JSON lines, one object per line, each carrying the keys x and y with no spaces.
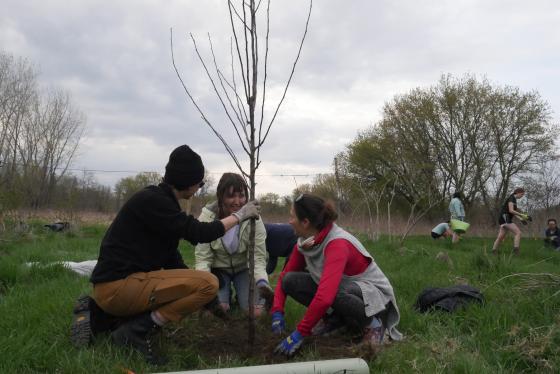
{"x":341,"y":276}
{"x":227,"y":257}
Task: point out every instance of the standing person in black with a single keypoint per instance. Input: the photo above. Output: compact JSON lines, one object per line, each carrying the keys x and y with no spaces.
{"x":509,"y":210}
{"x":140,"y":275}
{"x":552,"y":234}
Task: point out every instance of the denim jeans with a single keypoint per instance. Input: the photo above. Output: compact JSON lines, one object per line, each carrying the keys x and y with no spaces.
{"x":240,"y":283}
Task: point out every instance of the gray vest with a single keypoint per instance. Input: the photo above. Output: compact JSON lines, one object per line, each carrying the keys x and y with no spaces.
{"x":377,"y":292}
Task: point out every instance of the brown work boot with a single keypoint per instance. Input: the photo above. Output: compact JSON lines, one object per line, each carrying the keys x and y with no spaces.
{"x":495,"y":252}
{"x":516,"y":251}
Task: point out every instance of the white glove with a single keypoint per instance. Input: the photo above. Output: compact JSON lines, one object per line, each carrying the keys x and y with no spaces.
{"x":250,"y":210}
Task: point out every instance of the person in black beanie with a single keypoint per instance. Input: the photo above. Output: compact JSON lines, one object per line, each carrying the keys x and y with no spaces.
{"x":140,"y":281}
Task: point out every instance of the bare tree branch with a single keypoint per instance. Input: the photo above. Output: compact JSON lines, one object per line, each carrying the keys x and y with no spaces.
{"x":239,"y":101}
{"x":247,"y":69}
{"x":237,"y":114}
{"x":239,"y":17}
{"x":226,"y":145}
{"x":291,"y":75}
{"x":216,"y":90}
{"x":265,"y":76}
{"x":245,"y":83}
{"x":258,"y":6}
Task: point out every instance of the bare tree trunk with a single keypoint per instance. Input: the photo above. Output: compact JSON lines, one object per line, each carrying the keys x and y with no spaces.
{"x":389,"y":203}
{"x":242,"y":90}
{"x":414,"y":219}
{"x":366,"y":200}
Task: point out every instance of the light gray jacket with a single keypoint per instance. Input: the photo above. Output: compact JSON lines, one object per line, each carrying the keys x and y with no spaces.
{"x":376,"y":289}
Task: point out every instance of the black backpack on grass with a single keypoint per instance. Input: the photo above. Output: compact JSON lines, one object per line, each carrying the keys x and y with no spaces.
{"x":448,"y":299}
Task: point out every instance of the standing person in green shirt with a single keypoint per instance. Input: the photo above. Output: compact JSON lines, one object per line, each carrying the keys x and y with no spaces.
{"x":456,"y":208}
{"x":457,"y":211}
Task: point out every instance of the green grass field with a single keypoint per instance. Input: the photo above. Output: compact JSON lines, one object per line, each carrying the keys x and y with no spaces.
{"x":517,"y":330}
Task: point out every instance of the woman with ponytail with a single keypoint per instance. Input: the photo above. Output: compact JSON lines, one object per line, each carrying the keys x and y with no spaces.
{"x":342,"y":287}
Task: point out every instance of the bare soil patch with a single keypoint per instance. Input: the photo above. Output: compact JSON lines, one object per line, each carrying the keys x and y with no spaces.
{"x":212,"y":338}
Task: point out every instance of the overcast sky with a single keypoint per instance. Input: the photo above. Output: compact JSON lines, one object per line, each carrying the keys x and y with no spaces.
{"x":114,"y":59}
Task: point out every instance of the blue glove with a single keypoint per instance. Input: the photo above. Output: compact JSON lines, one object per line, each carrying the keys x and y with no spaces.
{"x":278,"y":323}
{"x":290,"y":345}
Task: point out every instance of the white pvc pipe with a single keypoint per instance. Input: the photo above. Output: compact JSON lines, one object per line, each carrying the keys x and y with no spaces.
{"x":345,"y":365}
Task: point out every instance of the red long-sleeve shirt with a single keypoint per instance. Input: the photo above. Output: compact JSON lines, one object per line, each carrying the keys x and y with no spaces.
{"x":341,"y":257}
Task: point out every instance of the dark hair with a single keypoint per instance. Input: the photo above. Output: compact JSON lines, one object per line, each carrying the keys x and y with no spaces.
{"x":457,"y":194}
{"x":518,"y":190}
{"x":227,"y":181}
{"x":551,"y":219}
{"x":319,"y":212}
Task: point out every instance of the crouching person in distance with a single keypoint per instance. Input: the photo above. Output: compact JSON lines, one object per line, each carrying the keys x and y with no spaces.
{"x":552,"y":234}
{"x":140,"y":275}
{"x":228,"y":257}
{"x":342,"y":278}
{"x":442,"y":230}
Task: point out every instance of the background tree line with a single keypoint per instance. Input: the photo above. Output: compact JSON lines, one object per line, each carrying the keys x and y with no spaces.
{"x":461,"y":134}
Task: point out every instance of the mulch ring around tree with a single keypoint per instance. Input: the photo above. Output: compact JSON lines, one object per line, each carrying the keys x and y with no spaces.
{"x":216,"y":340}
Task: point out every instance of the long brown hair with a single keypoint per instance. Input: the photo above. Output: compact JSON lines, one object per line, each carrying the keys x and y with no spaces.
{"x":319,"y":212}
{"x":227,"y":181}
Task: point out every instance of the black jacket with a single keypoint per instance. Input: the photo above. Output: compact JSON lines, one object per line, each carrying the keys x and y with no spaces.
{"x":145,"y":235}
{"x":448,"y":299}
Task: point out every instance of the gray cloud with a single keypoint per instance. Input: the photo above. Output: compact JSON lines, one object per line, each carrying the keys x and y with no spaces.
{"x":114,"y":59}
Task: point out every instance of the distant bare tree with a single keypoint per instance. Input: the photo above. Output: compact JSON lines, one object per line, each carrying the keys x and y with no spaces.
{"x":543,"y":184}
{"x":52,"y":134}
{"x":39,"y":134}
{"x":238,"y":94}
{"x":18,"y":89}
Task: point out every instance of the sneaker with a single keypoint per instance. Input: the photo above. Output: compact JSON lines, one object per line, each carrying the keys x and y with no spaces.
{"x":327,"y":326}
{"x":80,"y":330}
{"x":374,"y":336}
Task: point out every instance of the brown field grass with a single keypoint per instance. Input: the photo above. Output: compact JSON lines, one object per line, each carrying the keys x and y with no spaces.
{"x":479,"y":228}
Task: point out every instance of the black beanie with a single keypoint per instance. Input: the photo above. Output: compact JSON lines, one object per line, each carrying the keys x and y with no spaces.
{"x":184,"y":168}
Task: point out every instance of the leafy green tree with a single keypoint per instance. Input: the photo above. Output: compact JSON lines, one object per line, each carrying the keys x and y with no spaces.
{"x":462,"y":134}
{"x":126,"y":187}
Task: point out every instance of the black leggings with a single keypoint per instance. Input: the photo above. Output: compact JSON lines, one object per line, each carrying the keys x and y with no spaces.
{"x":348,"y":304}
